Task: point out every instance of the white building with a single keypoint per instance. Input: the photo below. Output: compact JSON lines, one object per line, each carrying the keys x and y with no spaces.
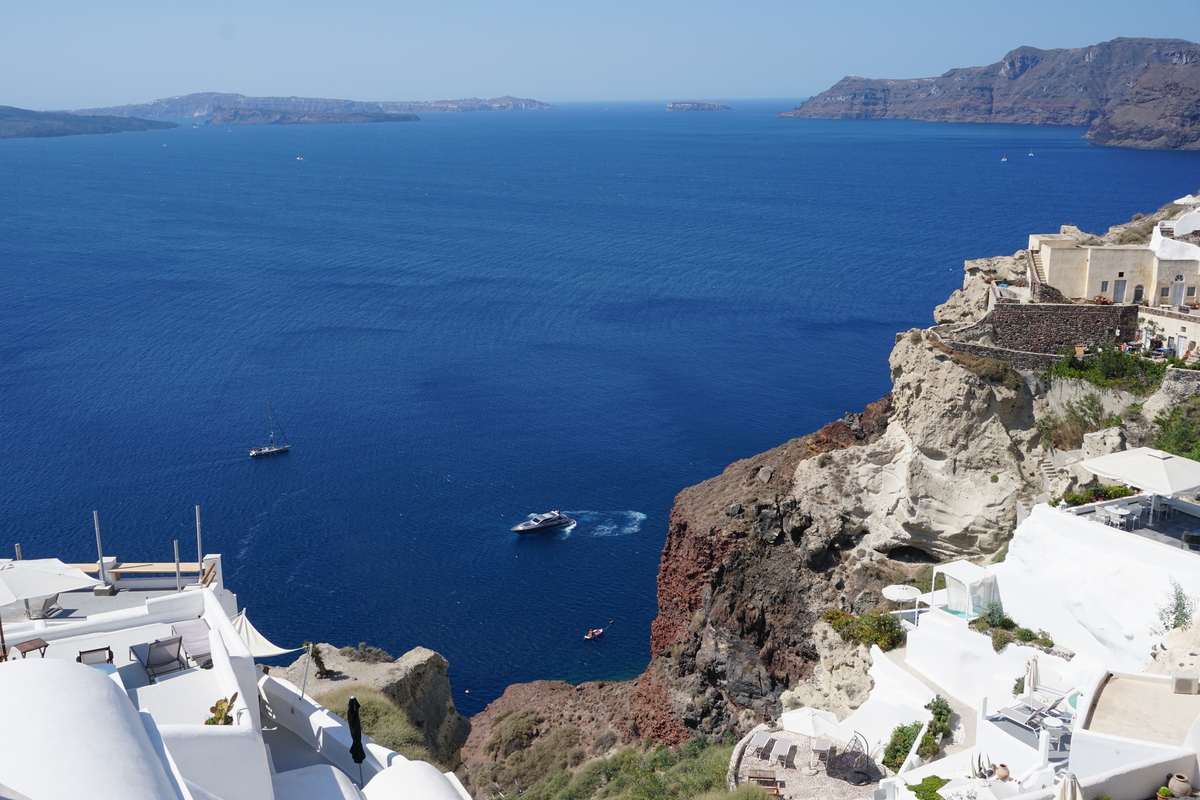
{"x":109,"y":730}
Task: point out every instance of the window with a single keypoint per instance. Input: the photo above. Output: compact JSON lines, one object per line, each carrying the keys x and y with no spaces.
{"x":1191,"y":291}
{"x":1104,"y":286}
{"x":1120,"y":274}
{"x":1165,"y":292}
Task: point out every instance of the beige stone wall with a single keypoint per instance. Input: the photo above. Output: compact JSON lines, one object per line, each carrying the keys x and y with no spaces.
{"x":1066,"y":269}
{"x":1134,"y":265}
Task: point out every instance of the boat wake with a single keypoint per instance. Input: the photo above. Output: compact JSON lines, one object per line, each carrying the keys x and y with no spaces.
{"x":609,"y":523}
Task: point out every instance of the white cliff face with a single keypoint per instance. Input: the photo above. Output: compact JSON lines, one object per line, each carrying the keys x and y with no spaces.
{"x":840,"y":682}
{"x":970,"y":303}
{"x":945,"y":474}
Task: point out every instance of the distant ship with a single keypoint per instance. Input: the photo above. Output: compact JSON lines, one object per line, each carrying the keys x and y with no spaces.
{"x":272,"y":448}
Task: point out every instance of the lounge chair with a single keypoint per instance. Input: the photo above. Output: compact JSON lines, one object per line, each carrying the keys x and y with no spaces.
{"x":101,"y":655}
{"x":195,"y":639}
{"x":47,"y":608}
{"x":159,"y":657}
{"x":1019,"y":716}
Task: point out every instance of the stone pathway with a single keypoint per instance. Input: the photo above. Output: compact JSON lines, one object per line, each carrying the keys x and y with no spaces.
{"x":827,"y":784}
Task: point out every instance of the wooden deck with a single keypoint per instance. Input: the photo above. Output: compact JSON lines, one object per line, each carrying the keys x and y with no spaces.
{"x":142,"y":568}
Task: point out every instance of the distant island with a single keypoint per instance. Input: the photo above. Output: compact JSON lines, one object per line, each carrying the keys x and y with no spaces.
{"x":20,"y":123}
{"x":1132,"y":92}
{"x":203,"y":104}
{"x":281,"y":116}
{"x":697,"y":105}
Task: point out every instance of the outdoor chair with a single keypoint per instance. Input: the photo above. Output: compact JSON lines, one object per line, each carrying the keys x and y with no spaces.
{"x":45,"y":609}
{"x":195,"y":639}
{"x":159,"y":657}
{"x":101,"y":655}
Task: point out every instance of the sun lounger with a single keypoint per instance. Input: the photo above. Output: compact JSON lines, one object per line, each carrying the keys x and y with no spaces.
{"x":46,"y":608}
{"x":159,"y":657}
{"x":1020,"y":716}
{"x":758,"y":742}
{"x":195,"y":639}
{"x":781,"y":751}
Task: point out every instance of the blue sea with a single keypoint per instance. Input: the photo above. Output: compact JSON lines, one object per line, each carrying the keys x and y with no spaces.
{"x":465,"y":320}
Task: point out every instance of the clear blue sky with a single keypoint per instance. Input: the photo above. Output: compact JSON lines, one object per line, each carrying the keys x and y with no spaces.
{"x":58,"y":54}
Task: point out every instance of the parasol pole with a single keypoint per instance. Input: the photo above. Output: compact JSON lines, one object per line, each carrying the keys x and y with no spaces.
{"x":199,"y":549}
{"x":178,"y":581}
{"x":99,"y":548}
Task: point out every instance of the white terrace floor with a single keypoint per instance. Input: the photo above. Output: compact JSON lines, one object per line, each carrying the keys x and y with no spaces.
{"x":827,"y":784}
{"x":178,"y":697}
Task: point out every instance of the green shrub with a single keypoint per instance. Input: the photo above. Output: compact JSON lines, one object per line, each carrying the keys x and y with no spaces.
{"x":364,"y":652}
{"x":876,"y":627}
{"x":515,"y":733}
{"x":928,"y":788}
{"x":1177,"y":611}
{"x":929,"y":746}
{"x":381,"y":719}
{"x":1044,"y":639}
{"x":1001,"y":638}
{"x":747,"y":791}
{"x":993,"y":615}
{"x":1111,"y":367}
{"x":991,"y":369}
{"x":1178,"y":430}
{"x":899,"y":745}
{"x":1019,"y":687}
{"x":1025,"y":635}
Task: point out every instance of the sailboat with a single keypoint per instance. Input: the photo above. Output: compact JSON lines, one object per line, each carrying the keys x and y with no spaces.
{"x":272,"y":448}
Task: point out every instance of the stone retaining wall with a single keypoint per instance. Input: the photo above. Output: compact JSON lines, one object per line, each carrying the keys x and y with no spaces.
{"x":1019,"y":359}
{"x":1050,"y":328}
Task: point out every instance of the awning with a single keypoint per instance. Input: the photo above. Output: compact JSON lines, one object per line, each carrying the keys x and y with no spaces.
{"x":260,"y":646}
{"x":1148,"y":469}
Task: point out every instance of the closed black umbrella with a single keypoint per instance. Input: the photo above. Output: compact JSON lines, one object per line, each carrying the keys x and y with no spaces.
{"x":356,"y":746}
{"x":352,"y":719}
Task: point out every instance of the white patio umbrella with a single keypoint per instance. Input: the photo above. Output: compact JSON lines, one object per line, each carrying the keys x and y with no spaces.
{"x":811,"y":722}
{"x":903,"y":593}
{"x":38,"y":577}
{"x":1153,"y":470}
{"x":1031,"y":681}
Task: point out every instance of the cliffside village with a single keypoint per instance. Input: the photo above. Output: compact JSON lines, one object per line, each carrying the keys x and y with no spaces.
{"x":1101,"y":698}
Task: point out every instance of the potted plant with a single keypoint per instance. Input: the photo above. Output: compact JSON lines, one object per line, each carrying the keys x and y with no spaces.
{"x":221,"y":716}
{"x":1164,"y":792}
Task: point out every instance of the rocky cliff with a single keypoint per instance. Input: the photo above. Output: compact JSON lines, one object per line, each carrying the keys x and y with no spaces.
{"x":1137,"y":92}
{"x":201,"y":104}
{"x":416,"y":683}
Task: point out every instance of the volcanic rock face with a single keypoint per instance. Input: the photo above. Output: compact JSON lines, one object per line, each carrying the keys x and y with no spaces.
{"x":754,"y":556}
{"x":1143,"y":92}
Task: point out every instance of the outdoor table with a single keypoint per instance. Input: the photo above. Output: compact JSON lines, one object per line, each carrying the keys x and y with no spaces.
{"x":25,"y":648}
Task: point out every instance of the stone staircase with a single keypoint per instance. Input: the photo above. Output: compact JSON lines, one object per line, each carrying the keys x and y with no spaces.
{"x":1037,"y":265}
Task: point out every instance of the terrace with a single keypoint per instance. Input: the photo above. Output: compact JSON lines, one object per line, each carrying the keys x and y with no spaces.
{"x":1173,"y":522}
